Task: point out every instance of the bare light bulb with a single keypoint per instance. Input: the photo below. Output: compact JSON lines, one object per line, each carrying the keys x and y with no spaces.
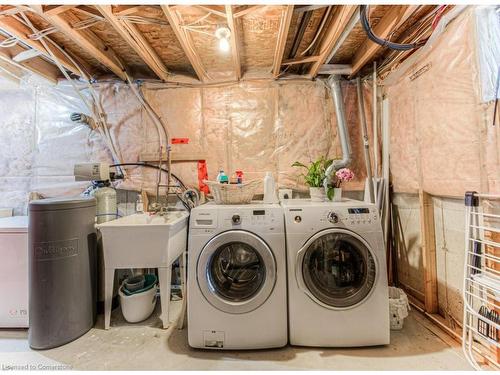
{"x":223,"y":34}
{"x":224,"y":45}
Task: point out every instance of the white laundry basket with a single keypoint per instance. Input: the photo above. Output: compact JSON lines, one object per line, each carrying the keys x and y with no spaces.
{"x":398,"y":307}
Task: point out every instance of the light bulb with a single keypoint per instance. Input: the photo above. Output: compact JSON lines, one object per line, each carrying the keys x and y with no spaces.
{"x":224,"y":45}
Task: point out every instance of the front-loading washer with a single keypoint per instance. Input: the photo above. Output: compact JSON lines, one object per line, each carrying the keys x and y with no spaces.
{"x":337,"y":278}
{"x":237,"y":277}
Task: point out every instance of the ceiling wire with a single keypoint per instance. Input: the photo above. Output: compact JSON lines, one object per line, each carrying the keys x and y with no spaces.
{"x":320,"y":28}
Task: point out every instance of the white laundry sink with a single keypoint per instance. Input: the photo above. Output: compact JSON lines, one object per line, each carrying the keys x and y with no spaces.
{"x":143,"y":240}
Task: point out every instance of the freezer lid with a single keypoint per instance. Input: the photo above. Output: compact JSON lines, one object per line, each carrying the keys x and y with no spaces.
{"x":14,"y":224}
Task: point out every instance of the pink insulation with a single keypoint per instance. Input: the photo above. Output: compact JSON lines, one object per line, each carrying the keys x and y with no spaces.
{"x":442,"y":139}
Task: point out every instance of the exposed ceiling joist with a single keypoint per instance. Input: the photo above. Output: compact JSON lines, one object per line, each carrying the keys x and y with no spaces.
{"x":186,"y":42}
{"x":56,"y":9}
{"x":340,"y":41}
{"x":250,"y":9}
{"x":340,"y":20}
{"x":125,"y":10}
{"x":286,"y":19}
{"x":308,"y":8}
{"x":235,"y":53}
{"x":300,"y":60}
{"x":88,"y":41}
{"x":20,"y":31}
{"x":368,"y":49}
{"x":36,"y":65}
{"x":136,"y":40}
{"x":212,"y":10}
{"x":329,"y":69}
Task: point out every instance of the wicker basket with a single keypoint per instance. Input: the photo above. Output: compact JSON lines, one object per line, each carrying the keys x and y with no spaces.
{"x":233,"y":193}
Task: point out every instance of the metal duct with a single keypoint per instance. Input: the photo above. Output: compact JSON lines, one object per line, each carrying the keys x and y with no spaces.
{"x":338,"y":102}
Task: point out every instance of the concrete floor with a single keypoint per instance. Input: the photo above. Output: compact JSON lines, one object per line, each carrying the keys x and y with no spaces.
{"x":146,"y":346}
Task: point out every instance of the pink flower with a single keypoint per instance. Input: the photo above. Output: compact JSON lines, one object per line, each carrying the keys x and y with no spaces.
{"x":344,"y":175}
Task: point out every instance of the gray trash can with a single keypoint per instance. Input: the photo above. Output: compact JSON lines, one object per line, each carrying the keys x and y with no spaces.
{"x":62,"y":270}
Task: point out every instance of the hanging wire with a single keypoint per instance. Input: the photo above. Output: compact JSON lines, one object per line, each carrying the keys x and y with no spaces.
{"x":9,"y":42}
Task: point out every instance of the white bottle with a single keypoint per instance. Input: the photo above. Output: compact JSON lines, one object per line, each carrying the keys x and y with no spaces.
{"x":139,"y":205}
{"x":269,"y":189}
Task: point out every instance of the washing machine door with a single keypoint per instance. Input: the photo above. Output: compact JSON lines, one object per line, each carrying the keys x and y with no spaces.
{"x":336,"y":269}
{"x":236,"y":271}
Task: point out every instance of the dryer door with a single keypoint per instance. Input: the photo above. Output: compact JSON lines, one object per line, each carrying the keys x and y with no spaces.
{"x":236,"y":271}
{"x":336,"y":269}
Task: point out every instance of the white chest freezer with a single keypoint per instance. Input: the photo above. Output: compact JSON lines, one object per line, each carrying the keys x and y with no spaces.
{"x":14,"y":272}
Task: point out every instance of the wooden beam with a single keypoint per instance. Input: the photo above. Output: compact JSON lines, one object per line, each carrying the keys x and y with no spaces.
{"x":211,"y":10}
{"x":52,"y":10}
{"x":340,"y":20}
{"x":36,"y":65}
{"x":185,"y":41}
{"x":125,"y":10}
{"x":300,"y":60}
{"x":330,"y":69}
{"x":286,"y":19}
{"x":10,"y":72}
{"x":20,"y":31}
{"x":250,"y":9}
{"x":387,"y":24}
{"x":87,"y":11}
{"x":428,"y":243}
{"x":309,"y":8}
{"x":136,"y":40}
{"x":231,"y":23}
{"x":88,"y":41}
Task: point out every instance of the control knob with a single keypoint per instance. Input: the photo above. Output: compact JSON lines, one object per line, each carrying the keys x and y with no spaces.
{"x":332,"y":217}
{"x":236,"y":219}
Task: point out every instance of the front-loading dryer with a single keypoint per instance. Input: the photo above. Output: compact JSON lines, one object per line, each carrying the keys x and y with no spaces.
{"x":337,"y":279}
{"x":237,"y":277}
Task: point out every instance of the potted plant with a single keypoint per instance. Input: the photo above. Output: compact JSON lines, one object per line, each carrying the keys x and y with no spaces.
{"x":315,"y":176}
{"x":342,"y":175}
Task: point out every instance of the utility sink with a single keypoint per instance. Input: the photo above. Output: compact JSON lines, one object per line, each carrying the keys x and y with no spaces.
{"x":144,"y":240}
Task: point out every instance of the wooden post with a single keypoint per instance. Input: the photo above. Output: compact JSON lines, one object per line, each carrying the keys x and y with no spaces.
{"x":428,"y":243}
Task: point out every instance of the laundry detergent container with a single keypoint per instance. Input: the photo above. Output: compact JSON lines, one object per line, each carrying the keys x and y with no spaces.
{"x":62,"y":270}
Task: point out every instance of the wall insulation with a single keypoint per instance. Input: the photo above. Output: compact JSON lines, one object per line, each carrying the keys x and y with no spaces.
{"x":443,"y":142}
{"x":254,"y":126}
{"x":442,"y":138}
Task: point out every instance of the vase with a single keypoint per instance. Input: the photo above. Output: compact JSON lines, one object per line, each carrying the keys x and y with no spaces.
{"x":317,"y":194}
{"x":337,"y":194}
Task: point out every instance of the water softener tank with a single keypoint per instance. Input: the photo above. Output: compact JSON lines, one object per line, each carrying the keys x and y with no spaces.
{"x":62,"y":270}
{"x":107,"y":208}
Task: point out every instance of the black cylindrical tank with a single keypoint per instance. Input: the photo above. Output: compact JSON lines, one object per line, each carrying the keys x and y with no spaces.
{"x":62,"y":270}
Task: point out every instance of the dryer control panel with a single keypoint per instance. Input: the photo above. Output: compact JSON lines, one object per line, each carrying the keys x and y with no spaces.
{"x":352,"y":217}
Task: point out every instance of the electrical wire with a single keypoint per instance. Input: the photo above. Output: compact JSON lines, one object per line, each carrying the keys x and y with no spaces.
{"x":495,"y":109}
{"x":383,"y":42}
{"x":99,"y":116}
{"x":147,"y":165}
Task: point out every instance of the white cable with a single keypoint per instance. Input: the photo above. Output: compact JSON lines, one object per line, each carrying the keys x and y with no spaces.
{"x":100,"y":120}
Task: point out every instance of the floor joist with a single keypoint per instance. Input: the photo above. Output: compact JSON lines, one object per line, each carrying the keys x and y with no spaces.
{"x":17,"y":29}
{"x":186,"y":42}
{"x":340,"y":20}
{"x":136,"y":40}
{"x":88,"y":41}
{"x":286,"y":20}
{"x":387,"y":24}
{"x":235,"y":53}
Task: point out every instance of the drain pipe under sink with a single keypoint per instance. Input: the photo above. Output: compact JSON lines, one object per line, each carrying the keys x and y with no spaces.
{"x":338,"y":102}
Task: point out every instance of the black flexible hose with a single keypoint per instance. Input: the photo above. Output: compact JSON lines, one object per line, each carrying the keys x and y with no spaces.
{"x":380,"y":41}
{"x":146,"y":165}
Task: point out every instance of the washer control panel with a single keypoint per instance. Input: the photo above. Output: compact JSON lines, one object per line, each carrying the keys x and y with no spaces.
{"x":334,"y":216}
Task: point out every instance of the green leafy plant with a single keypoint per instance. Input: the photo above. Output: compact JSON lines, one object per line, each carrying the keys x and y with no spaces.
{"x":316,"y":173}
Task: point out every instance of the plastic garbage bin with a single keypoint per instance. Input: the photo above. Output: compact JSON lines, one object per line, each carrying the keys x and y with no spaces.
{"x":62,"y":270}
